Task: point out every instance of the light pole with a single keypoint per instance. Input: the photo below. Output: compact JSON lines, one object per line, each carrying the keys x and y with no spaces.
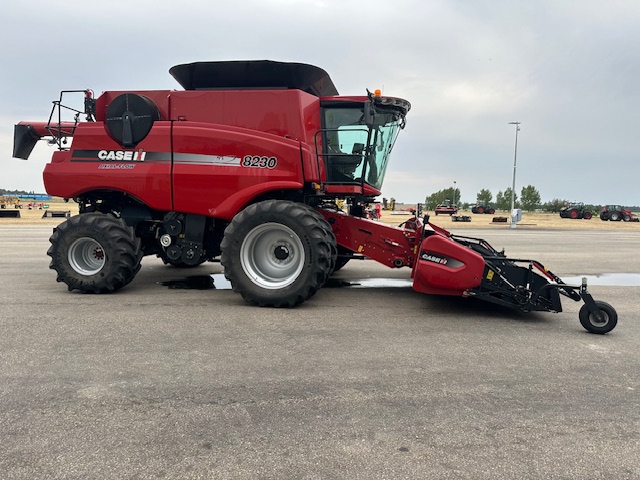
{"x":454,"y":192}
{"x":513,"y":185}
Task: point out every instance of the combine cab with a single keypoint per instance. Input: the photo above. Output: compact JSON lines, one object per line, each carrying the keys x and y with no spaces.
{"x":249,"y":164}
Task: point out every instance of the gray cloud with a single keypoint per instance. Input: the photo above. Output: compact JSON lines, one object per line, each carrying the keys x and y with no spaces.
{"x":567,"y":70}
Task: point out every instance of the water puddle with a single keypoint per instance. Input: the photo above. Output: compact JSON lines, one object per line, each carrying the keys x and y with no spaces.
{"x":607,"y":279}
{"x":384,"y":283}
{"x":369,"y":283}
{"x":217,"y":281}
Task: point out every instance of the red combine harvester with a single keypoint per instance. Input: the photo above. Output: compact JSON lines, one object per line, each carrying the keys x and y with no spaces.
{"x":247,"y":164}
{"x":446,"y":208}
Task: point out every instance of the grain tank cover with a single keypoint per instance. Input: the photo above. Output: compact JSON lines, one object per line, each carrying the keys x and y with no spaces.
{"x":254,"y":74}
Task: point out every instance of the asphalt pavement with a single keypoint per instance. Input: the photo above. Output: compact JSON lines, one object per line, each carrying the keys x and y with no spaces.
{"x":357,"y":383}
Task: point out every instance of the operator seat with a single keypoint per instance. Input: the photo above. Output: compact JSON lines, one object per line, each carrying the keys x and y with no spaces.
{"x":342,"y":166}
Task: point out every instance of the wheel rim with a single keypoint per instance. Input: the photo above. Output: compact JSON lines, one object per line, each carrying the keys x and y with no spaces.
{"x":86,"y":256}
{"x":593,"y":321}
{"x":272,"y":256}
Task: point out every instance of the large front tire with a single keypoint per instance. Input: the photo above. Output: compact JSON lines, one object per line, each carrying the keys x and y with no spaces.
{"x":278,"y":253}
{"x":94,"y":253}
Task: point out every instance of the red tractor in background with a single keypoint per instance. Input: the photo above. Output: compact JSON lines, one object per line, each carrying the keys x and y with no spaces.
{"x":248,"y":164}
{"x":615,"y":213}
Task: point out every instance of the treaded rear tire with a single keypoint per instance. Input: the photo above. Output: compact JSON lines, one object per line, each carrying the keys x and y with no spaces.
{"x":278,"y":253}
{"x":94,"y":253}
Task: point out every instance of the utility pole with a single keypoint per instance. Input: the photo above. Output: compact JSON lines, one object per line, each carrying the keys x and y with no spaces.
{"x":454,"y":192}
{"x":513,"y":185}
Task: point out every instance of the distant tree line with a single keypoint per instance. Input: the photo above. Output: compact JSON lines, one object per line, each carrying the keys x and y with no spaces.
{"x":529,"y":200}
{"x":13,"y":192}
{"x":437,"y":198}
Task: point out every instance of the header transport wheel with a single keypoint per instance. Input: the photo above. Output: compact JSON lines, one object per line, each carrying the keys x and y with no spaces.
{"x":608,"y":322}
{"x":94,"y":253}
{"x":278,"y":253}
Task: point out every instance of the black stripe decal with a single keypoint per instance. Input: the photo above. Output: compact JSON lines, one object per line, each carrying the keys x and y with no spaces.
{"x":159,"y":157}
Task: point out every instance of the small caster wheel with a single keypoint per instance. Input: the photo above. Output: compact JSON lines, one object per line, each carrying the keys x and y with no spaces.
{"x":607,"y":323}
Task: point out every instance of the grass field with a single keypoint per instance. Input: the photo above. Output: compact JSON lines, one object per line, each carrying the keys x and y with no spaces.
{"x":529,"y":220}
{"x":34,"y":216}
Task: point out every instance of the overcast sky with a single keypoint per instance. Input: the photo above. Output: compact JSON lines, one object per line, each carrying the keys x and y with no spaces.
{"x":568,"y":70}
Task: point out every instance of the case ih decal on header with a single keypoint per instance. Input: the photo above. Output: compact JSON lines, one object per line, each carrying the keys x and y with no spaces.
{"x":247,"y":164}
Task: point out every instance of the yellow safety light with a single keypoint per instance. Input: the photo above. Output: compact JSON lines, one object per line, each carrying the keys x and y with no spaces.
{"x":377,"y":93}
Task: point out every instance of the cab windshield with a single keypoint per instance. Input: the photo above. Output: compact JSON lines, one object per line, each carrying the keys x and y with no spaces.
{"x":355,"y":152}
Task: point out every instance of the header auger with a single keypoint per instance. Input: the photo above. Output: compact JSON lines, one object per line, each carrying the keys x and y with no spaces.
{"x":247,"y":164}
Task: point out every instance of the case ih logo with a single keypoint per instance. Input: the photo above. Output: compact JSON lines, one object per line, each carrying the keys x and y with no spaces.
{"x":441,"y":260}
{"x":122,"y":156}
{"x":430,"y":257}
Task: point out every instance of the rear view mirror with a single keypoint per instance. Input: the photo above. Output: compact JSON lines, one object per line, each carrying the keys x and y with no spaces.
{"x":369,"y":114}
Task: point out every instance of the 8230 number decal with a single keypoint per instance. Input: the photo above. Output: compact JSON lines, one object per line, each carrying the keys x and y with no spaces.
{"x":255,"y":161}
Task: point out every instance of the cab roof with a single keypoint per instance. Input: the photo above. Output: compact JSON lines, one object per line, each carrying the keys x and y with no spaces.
{"x":254,"y":74}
